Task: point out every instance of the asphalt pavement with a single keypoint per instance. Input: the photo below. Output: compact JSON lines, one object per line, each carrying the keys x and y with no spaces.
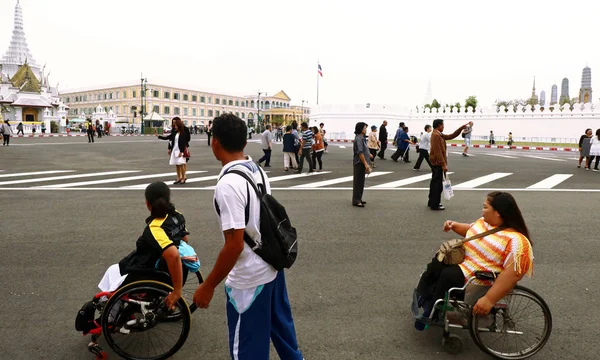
{"x":83,"y":208}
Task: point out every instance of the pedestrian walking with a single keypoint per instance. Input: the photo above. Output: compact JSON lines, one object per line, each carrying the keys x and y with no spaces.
{"x":266,"y":140}
{"x":402,"y":141}
{"x":289,"y":149}
{"x":43,"y":128}
{"x":595,"y":151}
{"x":20,"y":129}
{"x":90,"y":132}
{"x":297,"y":137}
{"x":361,"y":164}
{"x":180,"y":149}
{"x":466,"y":134}
{"x":258,"y":306}
{"x":439,"y":161}
{"x":6,"y":132}
{"x":492,"y":139}
{"x":424,"y":145}
{"x":510,"y":139}
{"x":306,"y":146}
{"x":317,"y":149}
{"x":584,"y":147}
{"x":374,"y":144}
{"x":209,"y":131}
{"x":323,"y":135}
{"x":383,"y":139}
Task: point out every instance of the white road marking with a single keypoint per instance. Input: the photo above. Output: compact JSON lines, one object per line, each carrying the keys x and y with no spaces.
{"x":550,"y":182}
{"x":480,"y":180}
{"x":544,"y":158}
{"x":114,"y":180}
{"x":342,"y":147}
{"x":295,"y":176}
{"x":192,"y":180}
{"x":407,"y":181}
{"x":337,"y":180}
{"x":502,"y":156}
{"x":67,"y":177}
{"x":35,"y":173}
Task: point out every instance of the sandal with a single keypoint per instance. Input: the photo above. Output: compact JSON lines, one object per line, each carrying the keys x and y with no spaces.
{"x":177,"y":182}
{"x":183,"y":181}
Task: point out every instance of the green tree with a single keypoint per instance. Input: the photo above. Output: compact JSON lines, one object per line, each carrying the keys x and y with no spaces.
{"x":435,"y":104}
{"x":457,"y":106}
{"x":471,"y":101}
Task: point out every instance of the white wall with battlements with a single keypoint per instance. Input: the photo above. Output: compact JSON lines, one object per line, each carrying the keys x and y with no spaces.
{"x":526,"y":123}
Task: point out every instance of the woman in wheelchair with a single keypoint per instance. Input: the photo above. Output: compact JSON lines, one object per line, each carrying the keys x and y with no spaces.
{"x":507,"y":252}
{"x":157,"y":246}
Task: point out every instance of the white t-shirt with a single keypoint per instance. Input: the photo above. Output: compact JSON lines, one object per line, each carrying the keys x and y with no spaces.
{"x":425,"y":141}
{"x":231,"y":195}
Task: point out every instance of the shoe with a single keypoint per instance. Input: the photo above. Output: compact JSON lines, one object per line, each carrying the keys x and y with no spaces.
{"x":441,"y":207}
{"x":267,"y":166}
{"x":359,"y":205}
{"x":587,"y":169}
{"x":298,"y":172}
{"x":416,"y":169}
{"x":579,"y":166}
{"x":363,"y":202}
{"x":465,"y":155}
{"x":183,"y":181}
{"x":594,"y":169}
{"x":177,"y":182}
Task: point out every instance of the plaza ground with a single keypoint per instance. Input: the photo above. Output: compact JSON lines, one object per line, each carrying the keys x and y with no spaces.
{"x":351,"y":286}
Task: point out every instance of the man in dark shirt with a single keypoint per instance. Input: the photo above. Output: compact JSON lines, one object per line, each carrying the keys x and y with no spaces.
{"x":383,"y":139}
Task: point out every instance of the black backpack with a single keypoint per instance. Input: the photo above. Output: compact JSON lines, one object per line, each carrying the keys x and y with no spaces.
{"x":279,"y":241}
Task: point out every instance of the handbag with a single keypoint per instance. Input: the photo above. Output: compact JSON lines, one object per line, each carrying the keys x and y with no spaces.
{"x":452,"y":252}
{"x":186,"y":153}
{"x":447,"y":188}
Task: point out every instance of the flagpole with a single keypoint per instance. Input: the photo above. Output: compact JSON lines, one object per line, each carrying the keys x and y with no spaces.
{"x":318,"y":82}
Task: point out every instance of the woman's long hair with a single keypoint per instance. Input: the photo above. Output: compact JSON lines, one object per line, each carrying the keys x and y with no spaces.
{"x":179,"y":123}
{"x":506,"y":205}
{"x":598,"y":134}
{"x":359,"y":128}
{"x":158,"y":195}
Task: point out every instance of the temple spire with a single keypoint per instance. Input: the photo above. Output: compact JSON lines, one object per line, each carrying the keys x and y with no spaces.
{"x":18,"y":51}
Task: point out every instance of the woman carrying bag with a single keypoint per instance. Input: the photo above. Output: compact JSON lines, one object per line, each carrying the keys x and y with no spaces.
{"x":180,"y":152}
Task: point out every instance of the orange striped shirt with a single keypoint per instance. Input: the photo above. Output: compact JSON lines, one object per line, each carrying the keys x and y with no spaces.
{"x":492,"y":253}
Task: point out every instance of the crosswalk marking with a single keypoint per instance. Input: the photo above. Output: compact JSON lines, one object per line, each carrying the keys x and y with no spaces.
{"x":481,"y":180}
{"x":66,"y":177}
{"x":544,"y":158}
{"x":35,"y":173}
{"x":459,"y":153}
{"x":337,"y":180}
{"x":407,"y":181}
{"x":114,"y":180}
{"x":502,"y":156}
{"x":550,"y":182}
{"x":192,"y":180}
{"x":295,"y":176}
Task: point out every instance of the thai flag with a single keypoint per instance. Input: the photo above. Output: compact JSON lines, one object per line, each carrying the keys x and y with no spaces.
{"x":320,"y":70}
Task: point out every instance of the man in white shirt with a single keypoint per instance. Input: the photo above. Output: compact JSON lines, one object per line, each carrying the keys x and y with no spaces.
{"x":424,"y":144}
{"x":258,"y":307}
{"x":266,"y":140}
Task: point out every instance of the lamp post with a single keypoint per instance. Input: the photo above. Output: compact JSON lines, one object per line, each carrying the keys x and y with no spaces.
{"x":258,"y":120}
{"x":144,"y":83}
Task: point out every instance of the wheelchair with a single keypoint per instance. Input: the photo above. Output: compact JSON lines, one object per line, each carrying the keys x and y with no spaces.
{"x":134,"y":319}
{"x":517,"y":327}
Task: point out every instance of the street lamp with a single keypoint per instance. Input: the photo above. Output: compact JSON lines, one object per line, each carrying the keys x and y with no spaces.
{"x":144,"y":83}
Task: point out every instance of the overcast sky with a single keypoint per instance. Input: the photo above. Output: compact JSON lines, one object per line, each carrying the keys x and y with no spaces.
{"x":377,"y":51}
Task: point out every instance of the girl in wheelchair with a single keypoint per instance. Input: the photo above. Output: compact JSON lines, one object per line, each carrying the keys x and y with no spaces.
{"x":507,"y":251}
{"x":158,"y":256}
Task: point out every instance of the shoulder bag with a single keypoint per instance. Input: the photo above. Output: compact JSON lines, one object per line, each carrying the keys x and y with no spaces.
{"x":453,"y":251}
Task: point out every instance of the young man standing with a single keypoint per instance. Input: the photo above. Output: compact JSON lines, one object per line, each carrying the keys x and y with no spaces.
{"x":258,"y":309}
{"x":467,"y":136}
{"x":439,"y":162}
{"x":306,"y":143}
{"x":267,"y":146}
{"x":383,"y":138}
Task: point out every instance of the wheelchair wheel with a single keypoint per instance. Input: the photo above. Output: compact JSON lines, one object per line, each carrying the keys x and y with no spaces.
{"x":517,"y":327}
{"x":136,"y":323}
{"x":189,"y":288}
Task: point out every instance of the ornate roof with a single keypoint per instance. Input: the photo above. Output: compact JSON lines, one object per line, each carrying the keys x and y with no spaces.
{"x":282,"y":96}
{"x":26,"y":80}
{"x":18,"y":51}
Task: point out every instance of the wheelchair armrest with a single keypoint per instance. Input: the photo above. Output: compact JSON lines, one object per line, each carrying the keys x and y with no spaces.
{"x":486,"y":275}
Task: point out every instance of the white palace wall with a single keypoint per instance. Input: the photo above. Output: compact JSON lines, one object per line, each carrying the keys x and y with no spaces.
{"x":526,"y":124}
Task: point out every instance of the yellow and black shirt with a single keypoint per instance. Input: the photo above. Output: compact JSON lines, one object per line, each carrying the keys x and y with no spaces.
{"x":159,"y":234}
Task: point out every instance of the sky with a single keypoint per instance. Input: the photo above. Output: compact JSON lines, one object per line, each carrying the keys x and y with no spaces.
{"x":378,"y":52}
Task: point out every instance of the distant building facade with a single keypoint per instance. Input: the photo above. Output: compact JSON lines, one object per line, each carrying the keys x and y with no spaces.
{"x":554,"y":95}
{"x":564,"y":91}
{"x":585,"y":92}
{"x":543,"y":98}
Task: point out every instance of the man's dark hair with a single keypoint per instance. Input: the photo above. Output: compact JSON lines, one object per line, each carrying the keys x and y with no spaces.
{"x":294,"y":125}
{"x":437,"y":123}
{"x":231,"y":131}
{"x":304,"y":125}
{"x":405,"y":129}
{"x":321,"y":124}
{"x":288,"y":128}
{"x":402,"y":125}
{"x":427,"y":127}
{"x":268,"y":126}
{"x":359,"y":128}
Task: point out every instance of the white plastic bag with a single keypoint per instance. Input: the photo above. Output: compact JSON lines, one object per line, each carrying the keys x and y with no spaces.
{"x":447,"y":188}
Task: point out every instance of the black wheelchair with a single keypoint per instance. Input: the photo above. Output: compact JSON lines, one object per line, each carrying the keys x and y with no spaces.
{"x":134,"y":319}
{"x":517,"y":327}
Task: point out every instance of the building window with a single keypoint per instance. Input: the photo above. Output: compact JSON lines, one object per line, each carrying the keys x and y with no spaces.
{"x":217,"y":113}
{"x":230,"y":102}
{"x":134,"y":93}
{"x":194,"y":112}
{"x":185,"y":111}
{"x":110,"y":96}
{"x":202,"y":99}
{"x":124,"y":109}
{"x":155,"y":93}
{"x":209,"y":100}
{"x":224,"y":102}
{"x":237,"y":103}
{"x":195,"y":98}
{"x":167,"y":95}
{"x":201,"y":112}
{"x":156,"y":109}
{"x":237,"y":114}
{"x":186,"y":97}
{"x":243,"y":115}
{"x":217,"y":101}
{"x":175,"y":111}
{"x":167,"y":110}
{"x":175,"y":96}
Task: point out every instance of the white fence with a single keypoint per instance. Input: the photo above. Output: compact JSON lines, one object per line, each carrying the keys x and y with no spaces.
{"x":527,"y":124}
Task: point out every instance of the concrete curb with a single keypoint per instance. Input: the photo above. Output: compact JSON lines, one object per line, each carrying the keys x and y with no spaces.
{"x":543,"y":148}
